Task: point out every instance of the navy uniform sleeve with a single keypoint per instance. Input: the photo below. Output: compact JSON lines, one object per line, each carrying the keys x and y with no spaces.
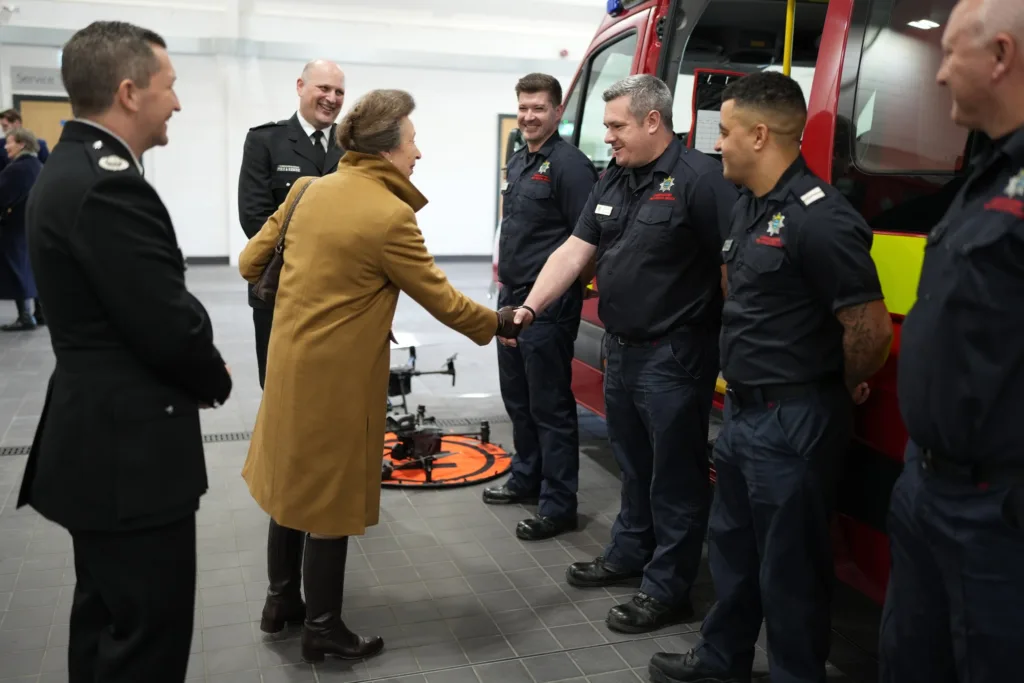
{"x":834,"y":251}
{"x":712,"y":200}
{"x":587,"y":227}
{"x":255,"y":197}
{"x":574,"y":179}
{"x":127,"y":250}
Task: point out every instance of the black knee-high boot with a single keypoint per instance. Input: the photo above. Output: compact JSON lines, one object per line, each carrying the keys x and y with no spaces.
{"x":284,"y":569}
{"x":324,"y":632}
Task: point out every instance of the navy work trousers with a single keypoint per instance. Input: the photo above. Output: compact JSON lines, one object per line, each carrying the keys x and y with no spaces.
{"x":536,"y":385}
{"x":954,"y":608}
{"x":658,"y":405}
{"x":769,"y":548}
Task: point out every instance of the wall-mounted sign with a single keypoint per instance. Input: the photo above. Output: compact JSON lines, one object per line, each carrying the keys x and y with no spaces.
{"x":36,"y":80}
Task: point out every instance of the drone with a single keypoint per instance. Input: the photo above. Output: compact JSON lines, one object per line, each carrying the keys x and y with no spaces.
{"x":419,"y":438}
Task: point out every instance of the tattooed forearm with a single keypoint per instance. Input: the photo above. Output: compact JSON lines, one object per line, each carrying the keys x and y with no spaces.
{"x":867,"y":333}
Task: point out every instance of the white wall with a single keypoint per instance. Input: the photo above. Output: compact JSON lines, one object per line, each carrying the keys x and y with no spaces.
{"x":461,"y":85}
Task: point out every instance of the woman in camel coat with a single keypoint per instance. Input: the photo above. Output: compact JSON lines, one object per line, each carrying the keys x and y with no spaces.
{"x":314,"y":464}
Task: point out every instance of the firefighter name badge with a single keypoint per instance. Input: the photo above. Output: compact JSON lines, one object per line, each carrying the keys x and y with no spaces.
{"x":775,"y":224}
{"x":113,"y":163}
{"x":603,"y":210}
{"x":727,"y":245}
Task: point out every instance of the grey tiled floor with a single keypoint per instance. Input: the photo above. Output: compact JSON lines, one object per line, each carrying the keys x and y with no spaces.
{"x":443,"y":579}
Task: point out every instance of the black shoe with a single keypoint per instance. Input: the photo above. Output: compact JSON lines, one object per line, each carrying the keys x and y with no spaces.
{"x":541,"y":528}
{"x":24,"y":323}
{"x":687,"y":668}
{"x":597,"y":574}
{"x":503,"y":495}
{"x":644,"y":614}
{"x":324,"y":633}
{"x":284,"y":604}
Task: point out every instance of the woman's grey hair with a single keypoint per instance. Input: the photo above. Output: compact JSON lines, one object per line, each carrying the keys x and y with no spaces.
{"x":646,"y":94}
{"x":26,"y":138}
{"x":374,"y":123}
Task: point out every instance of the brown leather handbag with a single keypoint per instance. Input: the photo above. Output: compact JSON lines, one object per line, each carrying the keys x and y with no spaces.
{"x":265,"y":288}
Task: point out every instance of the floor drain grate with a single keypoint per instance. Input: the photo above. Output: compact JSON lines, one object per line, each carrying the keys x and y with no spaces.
{"x":227,"y":437}
{"x":14,"y":450}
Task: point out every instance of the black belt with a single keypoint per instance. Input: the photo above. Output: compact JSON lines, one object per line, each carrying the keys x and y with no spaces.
{"x":974,"y":474}
{"x":769,"y":393}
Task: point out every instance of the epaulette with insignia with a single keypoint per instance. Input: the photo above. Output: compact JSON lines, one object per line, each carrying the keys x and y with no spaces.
{"x":812,"y":196}
{"x":269,"y":124}
{"x":106,"y":160}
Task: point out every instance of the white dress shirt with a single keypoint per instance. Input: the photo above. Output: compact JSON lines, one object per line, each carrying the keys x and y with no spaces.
{"x":310,"y":129}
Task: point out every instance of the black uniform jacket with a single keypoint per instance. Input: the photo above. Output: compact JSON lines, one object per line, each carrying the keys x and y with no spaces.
{"x":119,"y":444}
{"x":276,"y":155}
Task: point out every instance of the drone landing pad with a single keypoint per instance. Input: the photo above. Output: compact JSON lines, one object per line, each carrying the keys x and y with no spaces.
{"x":463,"y":461}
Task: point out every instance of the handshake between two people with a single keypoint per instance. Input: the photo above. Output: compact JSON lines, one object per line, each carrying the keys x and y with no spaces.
{"x":512,"y":320}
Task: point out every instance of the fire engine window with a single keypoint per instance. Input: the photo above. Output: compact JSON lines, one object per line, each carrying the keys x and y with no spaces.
{"x":610,"y":64}
{"x":742,"y":36}
{"x":901,"y":115}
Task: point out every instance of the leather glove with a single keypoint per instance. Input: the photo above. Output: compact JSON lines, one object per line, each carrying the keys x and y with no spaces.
{"x":507,"y":328}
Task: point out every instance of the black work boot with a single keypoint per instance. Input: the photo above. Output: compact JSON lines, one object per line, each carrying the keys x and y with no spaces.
{"x":24,"y":322}
{"x":284,"y":569}
{"x":688,"y":668}
{"x":324,"y":633}
{"x":40,"y":320}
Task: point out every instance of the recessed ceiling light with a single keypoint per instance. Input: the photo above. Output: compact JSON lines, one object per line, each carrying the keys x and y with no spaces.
{"x":923,"y":24}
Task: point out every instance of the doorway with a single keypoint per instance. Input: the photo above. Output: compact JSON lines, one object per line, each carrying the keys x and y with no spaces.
{"x":44,"y":116}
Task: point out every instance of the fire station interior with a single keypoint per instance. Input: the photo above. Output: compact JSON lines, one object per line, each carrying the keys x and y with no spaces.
{"x":443,"y":578}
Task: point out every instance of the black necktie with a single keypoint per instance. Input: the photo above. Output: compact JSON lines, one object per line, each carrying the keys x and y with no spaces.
{"x":319,"y":153}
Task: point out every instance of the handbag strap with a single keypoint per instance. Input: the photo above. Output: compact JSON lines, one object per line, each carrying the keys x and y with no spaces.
{"x":288,"y":216}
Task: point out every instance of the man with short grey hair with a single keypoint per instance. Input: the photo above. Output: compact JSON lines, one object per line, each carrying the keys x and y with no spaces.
{"x":655,"y":221}
{"x":118,"y":455}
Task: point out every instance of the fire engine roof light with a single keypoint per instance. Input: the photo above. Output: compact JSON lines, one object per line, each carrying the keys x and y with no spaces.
{"x":923,"y":24}
{"x":615,"y":7}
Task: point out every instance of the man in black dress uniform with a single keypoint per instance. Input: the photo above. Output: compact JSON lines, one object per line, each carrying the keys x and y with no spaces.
{"x":118,"y":455}
{"x":275,"y":156}
{"x":279,"y":153}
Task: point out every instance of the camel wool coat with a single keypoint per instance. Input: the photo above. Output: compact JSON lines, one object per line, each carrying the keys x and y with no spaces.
{"x":352,"y":245}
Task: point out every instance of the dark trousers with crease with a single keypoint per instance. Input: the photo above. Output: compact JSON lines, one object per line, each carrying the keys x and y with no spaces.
{"x":262,"y":321}
{"x":954,"y":608}
{"x":658,"y":405}
{"x":536,"y":386}
{"x":769,"y":547}
{"x":134,"y":602}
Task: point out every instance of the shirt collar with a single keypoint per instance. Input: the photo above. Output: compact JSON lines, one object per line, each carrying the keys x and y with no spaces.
{"x":797,"y":168}
{"x":307,"y":127}
{"x":117,"y":137}
{"x":1013,"y":145}
{"x":643,"y":176}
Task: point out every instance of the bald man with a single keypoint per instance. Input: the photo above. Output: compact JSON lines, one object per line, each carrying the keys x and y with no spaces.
{"x":954,"y":609}
{"x":276,"y":155}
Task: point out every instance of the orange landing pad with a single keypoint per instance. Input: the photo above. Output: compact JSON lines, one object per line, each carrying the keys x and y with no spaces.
{"x":463,"y":461}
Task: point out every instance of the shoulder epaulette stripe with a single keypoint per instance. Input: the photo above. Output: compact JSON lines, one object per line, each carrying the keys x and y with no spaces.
{"x":812,"y":196}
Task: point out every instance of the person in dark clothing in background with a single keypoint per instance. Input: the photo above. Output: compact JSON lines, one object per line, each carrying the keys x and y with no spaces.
{"x":118,"y":458}
{"x":277,"y":154}
{"x":16,"y":180}
{"x":10,"y":121}
{"x":548,"y":183}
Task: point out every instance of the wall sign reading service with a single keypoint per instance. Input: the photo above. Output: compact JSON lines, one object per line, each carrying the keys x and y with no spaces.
{"x":36,"y":79}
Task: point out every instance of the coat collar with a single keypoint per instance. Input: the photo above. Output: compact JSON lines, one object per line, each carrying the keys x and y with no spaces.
{"x":379,"y":168}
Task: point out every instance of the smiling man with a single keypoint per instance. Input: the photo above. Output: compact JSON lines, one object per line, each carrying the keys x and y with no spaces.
{"x":276,"y":155}
{"x":548,"y":183}
{"x":655,"y":221}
